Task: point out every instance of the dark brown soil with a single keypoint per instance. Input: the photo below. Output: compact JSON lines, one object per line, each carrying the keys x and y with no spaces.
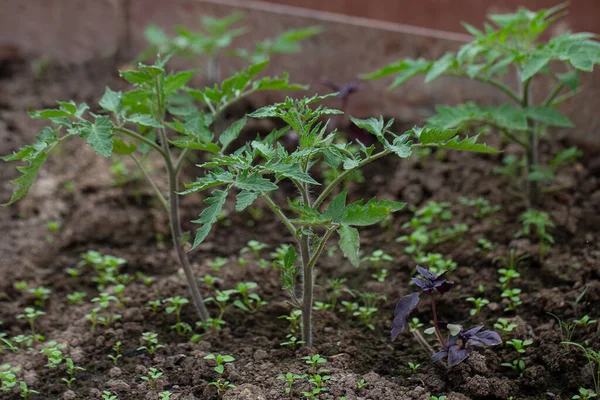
{"x":123,"y":220}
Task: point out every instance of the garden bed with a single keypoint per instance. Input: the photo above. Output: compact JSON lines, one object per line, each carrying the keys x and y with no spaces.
{"x":96,"y":211}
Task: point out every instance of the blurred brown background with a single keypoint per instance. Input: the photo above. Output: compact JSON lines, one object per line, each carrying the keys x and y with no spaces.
{"x":358,"y":37}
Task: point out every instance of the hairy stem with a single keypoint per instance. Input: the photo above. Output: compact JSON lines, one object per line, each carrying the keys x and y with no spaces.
{"x":307,"y":292}
{"x":158,"y":193}
{"x":532,"y":145}
{"x":175,"y":220}
{"x":275,"y":208}
{"x":423,"y":342}
{"x":438,"y":333}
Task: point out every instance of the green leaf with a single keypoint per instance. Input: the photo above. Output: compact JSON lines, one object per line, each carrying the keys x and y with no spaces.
{"x":453,"y":117}
{"x":570,"y":79}
{"x":245,"y":199}
{"x":211,"y":179}
{"x":194,"y":144}
{"x":336,"y":210}
{"x":509,"y":117}
{"x":121,"y":147}
{"x":359,"y":214}
{"x":428,"y":135}
{"x":468,"y":144}
{"x":401,"y":146}
{"x":372,"y":125}
{"x":231,"y":133}
{"x":50,"y":113}
{"x":174,"y":82}
{"x":439,"y":67}
{"x":254,"y":182}
{"x":143,"y":119}
{"x":99,"y":135}
{"x":111,"y":101}
{"x":349,"y":244}
{"x":136,"y":77}
{"x":411,"y":68}
{"x":533,"y":64}
{"x":549,"y":116}
{"x":290,"y":171}
{"x":209,"y":215}
{"x":24,"y":182}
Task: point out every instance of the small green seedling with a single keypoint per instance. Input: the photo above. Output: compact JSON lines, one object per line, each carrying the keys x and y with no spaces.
{"x":106,"y":395}
{"x":504,"y":325}
{"x":541,"y":223}
{"x":290,"y":379}
{"x":71,"y":371}
{"x":153,"y":376}
{"x":165,"y":395}
{"x":31,"y":314}
{"x":20,"y":286}
{"x":221,"y":384}
{"x":152,"y":344}
{"x":117,"y":353}
{"x":477,"y":303}
{"x":8,"y":377}
{"x":255,"y":247}
{"x":26,"y":391}
{"x":176,"y":304}
{"x":52,"y":350}
{"x":251,"y":302}
{"x":42,"y":294}
{"x":512,"y":298}
{"x":520,"y":347}
{"x":153,"y":305}
{"x":218,"y":263}
{"x":76,"y":298}
{"x":314,"y":361}
{"x":584,"y":394}
{"x":413,"y":366}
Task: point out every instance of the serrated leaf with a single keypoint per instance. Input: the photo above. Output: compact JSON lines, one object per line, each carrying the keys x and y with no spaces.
{"x":24,"y":182}
{"x":265,"y":112}
{"x":411,"y":68}
{"x":428,"y":135}
{"x":193,"y":144}
{"x":337,"y":208}
{"x":533,"y":64}
{"x":569,"y":79}
{"x":290,"y":171}
{"x":174,"y":82}
{"x":231,"y":133}
{"x":111,"y":101}
{"x":359,"y":214}
{"x":372,"y":125}
{"x":245,"y":199}
{"x":439,"y":67}
{"x":209,"y":215}
{"x":99,"y":135}
{"x":136,"y":77}
{"x":349,"y":243}
{"x":254,"y":182}
{"x":453,"y":116}
{"x":211,"y":179}
{"x":468,"y":144}
{"x":509,"y":117}
{"x":402,"y":146}
{"x":549,"y":116}
{"x":121,"y":147}
{"x":143,"y":119}
{"x":49,"y":113}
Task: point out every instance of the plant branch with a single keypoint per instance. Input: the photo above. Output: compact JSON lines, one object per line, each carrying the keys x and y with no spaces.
{"x":553,"y":94}
{"x":345,"y":174}
{"x":504,"y":88}
{"x":160,"y":196}
{"x":180,"y":160}
{"x":275,"y":208}
{"x":141,"y":138}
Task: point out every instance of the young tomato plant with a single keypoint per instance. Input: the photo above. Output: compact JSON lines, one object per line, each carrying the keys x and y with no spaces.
{"x":146,"y":119}
{"x":259,"y":168}
{"x":510,"y":44}
{"x":457,"y":348}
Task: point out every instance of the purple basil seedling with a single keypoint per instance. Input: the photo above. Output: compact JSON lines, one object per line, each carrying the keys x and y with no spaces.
{"x":457,"y":347}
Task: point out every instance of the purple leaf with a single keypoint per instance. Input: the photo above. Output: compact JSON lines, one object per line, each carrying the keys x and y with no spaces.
{"x":487,"y":338}
{"x":404,"y":308}
{"x":420,"y":283}
{"x":426,"y":273}
{"x":456,"y":355}
{"x":439,"y":355}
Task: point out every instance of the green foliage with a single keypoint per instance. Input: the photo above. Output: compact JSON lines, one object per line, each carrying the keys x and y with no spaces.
{"x":507,"y":43}
{"x":152,"y":344}
{"x":221,"y":360}
{"x":216,"y":37}
{"x":259,"y":168}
